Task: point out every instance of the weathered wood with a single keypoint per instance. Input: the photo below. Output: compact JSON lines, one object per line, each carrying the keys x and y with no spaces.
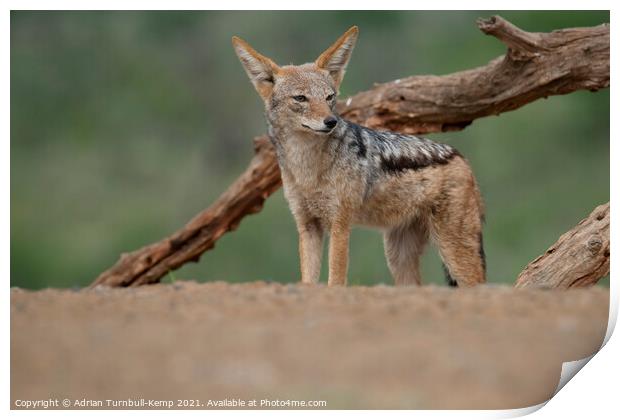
{"x":536,"y":66}
{"x":579,"y":258}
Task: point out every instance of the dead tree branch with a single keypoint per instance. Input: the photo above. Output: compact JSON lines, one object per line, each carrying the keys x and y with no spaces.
{"x":579,"y":258}
{"x":537,"y":65}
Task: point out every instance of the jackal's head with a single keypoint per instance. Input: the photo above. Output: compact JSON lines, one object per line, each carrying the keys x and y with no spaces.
{"x":300,"y":98}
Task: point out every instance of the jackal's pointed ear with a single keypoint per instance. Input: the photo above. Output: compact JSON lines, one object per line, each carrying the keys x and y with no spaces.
{"x":260,"y":69}
{"x":335,"y":58}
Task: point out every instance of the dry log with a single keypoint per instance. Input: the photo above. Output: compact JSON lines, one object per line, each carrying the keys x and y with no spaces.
{"x":536,"y":66}
{"x":579,"y":258}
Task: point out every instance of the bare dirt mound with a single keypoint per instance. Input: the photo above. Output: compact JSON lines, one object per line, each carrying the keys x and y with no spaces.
{"x":356,"y":347}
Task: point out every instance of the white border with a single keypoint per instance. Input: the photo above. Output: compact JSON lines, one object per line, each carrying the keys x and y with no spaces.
{"x":314,"y":5}
{"x":592,"y":395}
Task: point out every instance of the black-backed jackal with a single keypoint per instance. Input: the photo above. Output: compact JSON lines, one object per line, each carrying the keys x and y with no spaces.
{"x":337,"y":174}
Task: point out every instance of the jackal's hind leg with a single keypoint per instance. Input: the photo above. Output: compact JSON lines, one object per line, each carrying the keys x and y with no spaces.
{"x":459,"y":239}
{"x":403,"y":246}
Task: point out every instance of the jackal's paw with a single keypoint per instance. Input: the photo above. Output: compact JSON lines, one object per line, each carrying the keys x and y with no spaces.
{"x":308,"y":282}
{"x":337,"y":283}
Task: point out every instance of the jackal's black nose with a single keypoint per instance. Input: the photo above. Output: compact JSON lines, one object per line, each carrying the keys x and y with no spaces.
{"x":330,"y":121}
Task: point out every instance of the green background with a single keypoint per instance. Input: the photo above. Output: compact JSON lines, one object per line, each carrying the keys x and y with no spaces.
{"x":124,"y":125}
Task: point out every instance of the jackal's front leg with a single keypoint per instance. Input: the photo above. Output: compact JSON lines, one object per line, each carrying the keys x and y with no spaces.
{"x":310,"y":250}
{"x":339,"y":253}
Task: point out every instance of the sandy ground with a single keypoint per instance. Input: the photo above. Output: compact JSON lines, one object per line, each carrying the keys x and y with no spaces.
{"x":355,"y":347}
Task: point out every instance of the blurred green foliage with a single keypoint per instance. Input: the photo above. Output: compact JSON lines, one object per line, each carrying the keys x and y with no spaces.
{"x":126,"y":124}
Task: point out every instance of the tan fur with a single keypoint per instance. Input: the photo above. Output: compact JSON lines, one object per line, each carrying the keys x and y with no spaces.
{"x":326,"y":193}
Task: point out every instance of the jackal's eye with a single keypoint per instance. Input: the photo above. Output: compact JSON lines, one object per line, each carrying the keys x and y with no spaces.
{"x":330,"y":98}
{"x":300,"y":98}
